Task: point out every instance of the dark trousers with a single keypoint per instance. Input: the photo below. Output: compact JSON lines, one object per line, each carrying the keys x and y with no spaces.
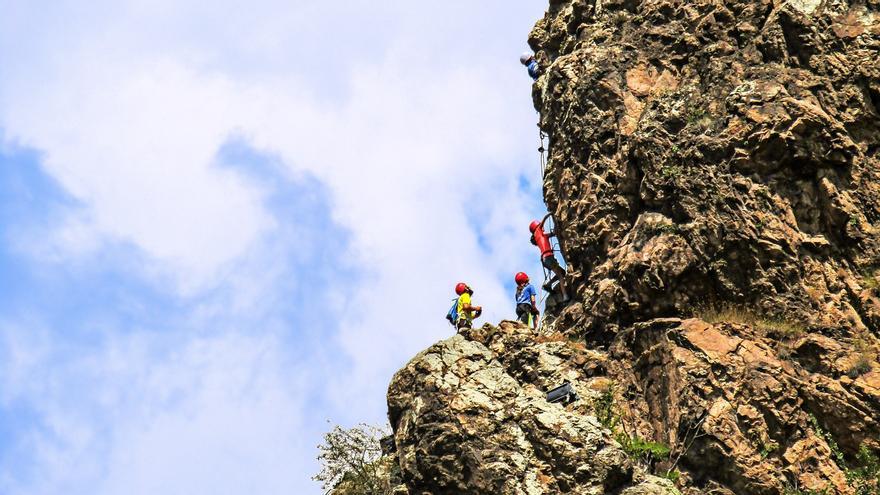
{"x":524,"y":313}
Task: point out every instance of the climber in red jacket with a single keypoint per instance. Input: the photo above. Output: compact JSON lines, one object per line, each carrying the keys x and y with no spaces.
{"x":548,"y":260}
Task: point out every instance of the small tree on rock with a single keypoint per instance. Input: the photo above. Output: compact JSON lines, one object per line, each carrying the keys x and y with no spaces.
{"x":350,"y":461}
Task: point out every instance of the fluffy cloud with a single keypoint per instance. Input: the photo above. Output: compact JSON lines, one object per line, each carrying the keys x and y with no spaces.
{"x":139,"y":415}
{"x":417,"y":121}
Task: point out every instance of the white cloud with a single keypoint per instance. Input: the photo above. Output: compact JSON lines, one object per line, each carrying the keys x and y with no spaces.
{"x":142,"y":416}
{"x":136,"y":145}
{"x":429,"y":131}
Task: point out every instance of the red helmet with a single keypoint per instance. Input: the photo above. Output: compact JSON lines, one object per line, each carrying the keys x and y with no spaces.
{"x":461,"y":288}
{"x":521,"y":278}
{"x":534,"y":226}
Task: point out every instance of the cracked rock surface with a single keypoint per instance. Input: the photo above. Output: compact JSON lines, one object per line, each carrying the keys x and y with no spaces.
{"x":470,"y":416}
{"x":714,"y":178}
{"x":715,"y":151}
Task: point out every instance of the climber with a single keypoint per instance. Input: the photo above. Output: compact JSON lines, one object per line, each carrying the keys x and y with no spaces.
{"x":531,"y":64}
{"x":542,"y":240}
{"x":526,"y":309}
{"x":466,"y":311}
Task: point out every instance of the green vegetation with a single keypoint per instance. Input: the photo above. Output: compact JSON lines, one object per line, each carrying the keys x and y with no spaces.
{"x":859,"y":368}
{"x":870,"y":278}
{"x":854,"y":221}
{"x":605,"y":410}
{"x":642,"y":450}
{"x":695,"y":114}
{"x":672,"y":475}
{"x":783,"y":328}
{"x":698,"y":115}
{"x":866,"y":354}
{"x":351,"y":461}
{"x":768,"y":449}
{"x":836,"y":453}
{"x":760,"y":225}
{"x":636,"y":448}
{"x":666,"y":228}
{"x":739,"y":314}
{"x":670,"y":171}
{"x":864,"y":475}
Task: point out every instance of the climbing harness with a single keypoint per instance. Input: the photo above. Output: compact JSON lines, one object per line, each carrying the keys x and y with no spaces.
{"x":554,"y":244}
{"x":548,"y":274}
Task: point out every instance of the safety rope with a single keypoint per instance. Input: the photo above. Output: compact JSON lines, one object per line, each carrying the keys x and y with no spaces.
{"x":542,"y":150}
{"x":554,"y":242}
{"x":542,"y":161}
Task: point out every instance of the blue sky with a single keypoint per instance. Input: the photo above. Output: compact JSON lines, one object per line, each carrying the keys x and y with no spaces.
{"x":223,"y":226}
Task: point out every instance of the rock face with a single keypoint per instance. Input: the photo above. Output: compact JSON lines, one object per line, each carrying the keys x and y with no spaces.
{"x":470,"y":416}
{"x":743,"y":414}
{"x":712,"y":151}
{"x":714,"y":179}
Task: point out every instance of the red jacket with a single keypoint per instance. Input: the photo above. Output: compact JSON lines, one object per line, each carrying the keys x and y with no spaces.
{"x":542,"y":240}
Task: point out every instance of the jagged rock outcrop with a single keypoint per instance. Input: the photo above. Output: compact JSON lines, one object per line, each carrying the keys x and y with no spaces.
{"x":470,"y":416}
{"x":714,"y":178}
{"x":709,"y":151}
{"x":724,"y":154}
{"x":742,"y":414}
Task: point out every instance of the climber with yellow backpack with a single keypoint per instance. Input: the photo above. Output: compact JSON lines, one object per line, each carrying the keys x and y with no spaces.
{"x":526,"y":307}
{"x":462,"y":313}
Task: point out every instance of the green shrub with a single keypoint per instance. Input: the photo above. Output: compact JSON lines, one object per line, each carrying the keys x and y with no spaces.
{"x":870,"y":278}
{"x":605,"y":409}
{"x":864,"y":475}
{"x":672,"y":475}
{"x":351,"y":461}
{"x":866,"y":354}
{"x":670,"y":171}
{"x":854,"y":221}
{"x":642,"y":450}
{"x":636,"y":448}
{"x":768,"y":449}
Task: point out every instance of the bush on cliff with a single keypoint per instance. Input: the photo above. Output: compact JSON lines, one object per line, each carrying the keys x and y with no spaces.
{"x":351,"y":461}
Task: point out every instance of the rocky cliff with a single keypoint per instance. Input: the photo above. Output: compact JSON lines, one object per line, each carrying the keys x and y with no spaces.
{"x":714,"y":178}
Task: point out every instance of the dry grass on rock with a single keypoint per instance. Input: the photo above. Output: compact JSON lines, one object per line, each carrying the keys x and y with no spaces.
{"x":785,"y":329}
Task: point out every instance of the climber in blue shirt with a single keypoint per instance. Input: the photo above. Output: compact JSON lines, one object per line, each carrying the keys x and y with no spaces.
{"x":526,"y":306}
{"x":531,"y":64}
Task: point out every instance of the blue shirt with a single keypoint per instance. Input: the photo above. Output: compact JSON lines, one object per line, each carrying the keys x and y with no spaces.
{"x":533,"y":69}
{"x":525,"y":296}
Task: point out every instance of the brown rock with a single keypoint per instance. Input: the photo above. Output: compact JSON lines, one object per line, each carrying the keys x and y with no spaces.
{"x":714,"y":176}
